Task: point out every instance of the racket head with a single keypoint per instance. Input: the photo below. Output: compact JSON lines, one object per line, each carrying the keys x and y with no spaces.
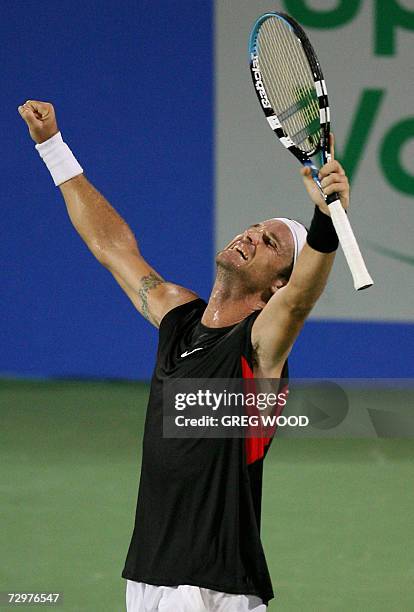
{"x":290,"y":86}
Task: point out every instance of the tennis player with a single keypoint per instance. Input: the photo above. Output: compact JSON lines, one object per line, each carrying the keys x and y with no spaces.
{"x":196,"y":543}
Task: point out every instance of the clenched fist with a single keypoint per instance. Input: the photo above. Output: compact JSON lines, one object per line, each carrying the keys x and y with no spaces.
{"x":40,"y":118}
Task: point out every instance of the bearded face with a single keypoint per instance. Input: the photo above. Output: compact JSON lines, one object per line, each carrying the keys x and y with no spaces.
{"x":258,"y":255}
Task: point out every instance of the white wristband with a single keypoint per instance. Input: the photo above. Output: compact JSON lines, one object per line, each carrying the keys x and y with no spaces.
{"x":59,"y":159}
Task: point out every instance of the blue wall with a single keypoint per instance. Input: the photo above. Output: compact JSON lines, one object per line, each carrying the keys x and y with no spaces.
{"x":354,"y":349}
{"x":132,"y":83}
{"x":132,"y":86}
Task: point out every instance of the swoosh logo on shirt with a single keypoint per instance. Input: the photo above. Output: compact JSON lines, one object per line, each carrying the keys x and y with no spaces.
{"x":186,"y":353}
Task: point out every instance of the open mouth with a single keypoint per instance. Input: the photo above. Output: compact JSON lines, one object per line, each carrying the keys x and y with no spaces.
{"x":241,"y":253}
{"x":242,"y":248}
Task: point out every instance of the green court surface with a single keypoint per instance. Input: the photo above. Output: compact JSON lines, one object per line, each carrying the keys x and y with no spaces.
{"x":338,"y":515}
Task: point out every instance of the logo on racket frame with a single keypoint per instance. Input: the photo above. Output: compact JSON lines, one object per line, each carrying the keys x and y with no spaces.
{"x":264,"y":100}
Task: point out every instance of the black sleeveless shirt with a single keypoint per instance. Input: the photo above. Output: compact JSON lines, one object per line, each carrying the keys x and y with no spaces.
{"x":198,"y":512}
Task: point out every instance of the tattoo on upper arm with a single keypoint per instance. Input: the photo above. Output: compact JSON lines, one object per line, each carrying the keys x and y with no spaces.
{"x":148,"y":282}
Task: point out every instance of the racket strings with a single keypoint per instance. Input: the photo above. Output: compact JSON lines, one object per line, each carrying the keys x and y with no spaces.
{"x":300,"y":84}
{"x":289,"y":83}
{"x":282,"y":44}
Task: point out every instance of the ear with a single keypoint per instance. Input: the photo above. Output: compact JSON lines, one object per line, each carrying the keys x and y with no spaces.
{"x":278,"y":284}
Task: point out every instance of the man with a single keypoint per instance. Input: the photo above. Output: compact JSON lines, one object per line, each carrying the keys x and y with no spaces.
{"x":196,"y":543}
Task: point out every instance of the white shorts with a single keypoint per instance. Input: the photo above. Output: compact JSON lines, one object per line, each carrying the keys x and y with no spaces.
{"x":141,"y":597}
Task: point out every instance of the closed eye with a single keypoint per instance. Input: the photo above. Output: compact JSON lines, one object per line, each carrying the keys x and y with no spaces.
{"x":269,"y":242}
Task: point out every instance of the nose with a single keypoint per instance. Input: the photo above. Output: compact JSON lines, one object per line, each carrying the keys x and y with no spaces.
{"x":251,"y":234}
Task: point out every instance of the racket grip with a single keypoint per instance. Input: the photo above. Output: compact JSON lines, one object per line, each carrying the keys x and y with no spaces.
{"x":350,"y":247}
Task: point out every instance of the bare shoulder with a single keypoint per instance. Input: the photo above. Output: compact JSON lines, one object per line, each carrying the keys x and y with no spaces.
{"x":156,"y":297}
{"x":151,"y":295}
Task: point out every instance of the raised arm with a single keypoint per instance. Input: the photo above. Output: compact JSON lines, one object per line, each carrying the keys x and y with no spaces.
{"x":281,"y":320}
{"x":103,"y":230}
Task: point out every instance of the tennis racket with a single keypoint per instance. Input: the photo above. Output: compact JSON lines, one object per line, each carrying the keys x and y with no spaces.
{"x":289,"y":84}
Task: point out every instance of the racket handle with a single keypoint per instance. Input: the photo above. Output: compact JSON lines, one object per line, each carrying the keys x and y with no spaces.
{"x":350,"y":247}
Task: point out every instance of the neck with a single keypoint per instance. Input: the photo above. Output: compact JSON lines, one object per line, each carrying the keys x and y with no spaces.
{"x":229,"y":302}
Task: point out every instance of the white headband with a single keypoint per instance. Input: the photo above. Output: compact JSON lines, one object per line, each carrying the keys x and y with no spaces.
{"x":299,"y":233}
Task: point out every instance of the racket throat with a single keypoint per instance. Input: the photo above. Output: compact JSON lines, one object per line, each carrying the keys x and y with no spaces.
{"x":315,"y":175}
